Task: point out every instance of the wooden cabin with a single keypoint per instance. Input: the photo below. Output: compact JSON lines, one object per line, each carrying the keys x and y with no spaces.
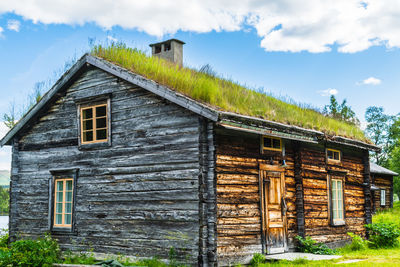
{"x":111,"y":161}
{"x":381,"y":187}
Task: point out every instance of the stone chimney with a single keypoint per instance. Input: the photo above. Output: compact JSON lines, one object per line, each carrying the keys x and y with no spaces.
{"x":171,"y":50}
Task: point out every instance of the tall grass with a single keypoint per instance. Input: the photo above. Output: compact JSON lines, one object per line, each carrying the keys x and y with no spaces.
{"x":221,"y":93}
{"x":388,"y":216}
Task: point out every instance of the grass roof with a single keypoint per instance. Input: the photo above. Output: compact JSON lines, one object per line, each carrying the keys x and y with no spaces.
{"x":224,"y":94}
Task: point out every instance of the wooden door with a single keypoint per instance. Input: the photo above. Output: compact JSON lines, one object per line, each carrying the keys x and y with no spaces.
{"x":273,"y":208}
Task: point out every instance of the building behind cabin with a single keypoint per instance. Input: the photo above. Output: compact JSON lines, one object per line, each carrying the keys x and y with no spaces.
{"x":382,"y":187}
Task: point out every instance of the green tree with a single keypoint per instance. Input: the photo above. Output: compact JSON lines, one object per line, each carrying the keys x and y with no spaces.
{"x":4,"y":201}
{"x":340,"y":111}
{"x":382,"y":131}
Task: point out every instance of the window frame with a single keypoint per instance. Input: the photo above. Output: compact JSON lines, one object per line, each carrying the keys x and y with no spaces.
{"x":333,"y":221}
{"x":90,"y":102}
{"x":94,"y":119}
{"x":63,"y":202}
{"x":334,"y":151}
{"x":69,"y":174}
{"x":383,"y":197}
{"x":263,"y":148}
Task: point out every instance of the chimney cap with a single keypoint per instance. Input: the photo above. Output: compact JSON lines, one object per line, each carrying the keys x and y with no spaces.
{"x":163,"y":42}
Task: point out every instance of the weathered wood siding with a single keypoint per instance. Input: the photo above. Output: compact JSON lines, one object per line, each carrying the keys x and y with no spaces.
{"x":238,"y":200}
{"x":306,"y":192}
{"x":383,"y":182}
{"x":316,"y":170}
{"x":140,"y":196}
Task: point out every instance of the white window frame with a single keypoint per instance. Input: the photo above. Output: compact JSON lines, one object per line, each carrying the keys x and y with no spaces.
{"x":338,"y":200}
{"x":383,"y":197}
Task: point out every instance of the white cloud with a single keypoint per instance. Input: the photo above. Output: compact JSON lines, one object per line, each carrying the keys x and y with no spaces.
{"x":283,"y":25}
{"x":328,"y":92}
{"x":13,"y":25}
{"x":372,"y":81}
{"x":1,"y":31}
{"x":112,"y":39}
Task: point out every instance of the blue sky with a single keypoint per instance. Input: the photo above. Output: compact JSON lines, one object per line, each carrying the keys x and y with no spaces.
{"x":252,"y":49}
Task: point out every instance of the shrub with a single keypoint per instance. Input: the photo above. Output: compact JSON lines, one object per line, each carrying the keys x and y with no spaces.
{"x":4,"y":240}
{"x":383,"y":235}
{"x":357,"y":243}
{"x":27,"y":252}
{"x":309,"y":245}
{"x":257,"y":259}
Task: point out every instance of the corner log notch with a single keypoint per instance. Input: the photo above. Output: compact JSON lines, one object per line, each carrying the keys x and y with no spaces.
{"x":299,"y":189}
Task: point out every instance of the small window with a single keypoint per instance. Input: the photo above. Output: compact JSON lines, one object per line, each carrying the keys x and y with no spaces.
{"x":63,"y":202}
{"x":94,"y":124}
{"x":271,"y":143}
{"x":333,"y":155}
{"x":383,"y":197}
{"x":167,"y":46}
{"x":337,"y":207}
{"x":157,"y":49}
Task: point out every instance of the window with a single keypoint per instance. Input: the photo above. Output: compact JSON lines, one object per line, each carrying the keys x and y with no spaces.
{"x":337,"y":209}
{"x":383,"y":197}
{"x":63,"y":202}
{"x":333,"y":155}
{"x":271,"y":143}
{"x":94,"y":124}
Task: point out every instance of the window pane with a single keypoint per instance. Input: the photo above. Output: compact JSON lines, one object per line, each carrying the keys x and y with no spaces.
{"x":60,"y":186}
{"x":87,"y":136}
{"x":101,"y":123}
{"x":59,"y":208}
{"x":59,"y":196}
{"x":68,"y":218}
{"x":58,"y":218}
{"x":88,"y":125}
{"x":87,"y":113}
{"x":267,"y":142}
{"x":69,"y":186}
{"x":330,"y":154}
{"x":276,"y":143}
{"x":101,"y":111}
{"x":336,"y":155}
{"x":68,"y":196}
{"x":101,"y":134}
{"x":68,"y":207}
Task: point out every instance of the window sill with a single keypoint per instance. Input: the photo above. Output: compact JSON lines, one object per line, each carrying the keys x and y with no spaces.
{"x":338,"y":223}
{"x":94,"y":145}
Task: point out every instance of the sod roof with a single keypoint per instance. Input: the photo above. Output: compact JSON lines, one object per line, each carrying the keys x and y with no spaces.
{"x":223,"y":94}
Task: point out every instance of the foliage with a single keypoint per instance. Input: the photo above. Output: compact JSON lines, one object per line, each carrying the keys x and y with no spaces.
{"x":383,"y":235}
{"x":4,"y":239}
{"x":357,"y":243}
{"x":389,"y":215}
{"x":78,"y":258}
{"x":4,"y":201}
{"x":379,"y":130}
{"x":257,"y":259}
{"x":27,"y":252}
{"x":309,"y":245}
{"x":222,"y":93}
{"x":341,"y":112}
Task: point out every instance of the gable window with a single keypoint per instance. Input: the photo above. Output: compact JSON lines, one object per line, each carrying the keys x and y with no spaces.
{"x":383,"y":197}
{"x":337,"y":201}
{"x":94,"y":123}
{"x":271,"y":143}
{"x":333,"y":155}
{"x":63,"y":202}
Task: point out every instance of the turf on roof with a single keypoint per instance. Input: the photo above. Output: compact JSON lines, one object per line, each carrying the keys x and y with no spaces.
{"x":223,"y":94}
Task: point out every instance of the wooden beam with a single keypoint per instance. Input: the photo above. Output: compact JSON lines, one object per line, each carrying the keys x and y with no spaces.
{"x":299,"y":189}
{"x":367,"y":188}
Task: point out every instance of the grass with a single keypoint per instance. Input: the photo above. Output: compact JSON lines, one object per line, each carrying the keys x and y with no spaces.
{"x":372,"y":257}
{"x":224,"y":94}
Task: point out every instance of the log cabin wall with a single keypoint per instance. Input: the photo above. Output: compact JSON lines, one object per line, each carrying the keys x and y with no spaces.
{"x":316,"y":170}
{"x":139,"y":196}
{"x":306,"y":174}
{"x":383,"y":182}
{"x":238,"y":199}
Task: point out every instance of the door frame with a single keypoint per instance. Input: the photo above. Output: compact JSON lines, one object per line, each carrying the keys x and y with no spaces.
{"x":264,"y":207}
